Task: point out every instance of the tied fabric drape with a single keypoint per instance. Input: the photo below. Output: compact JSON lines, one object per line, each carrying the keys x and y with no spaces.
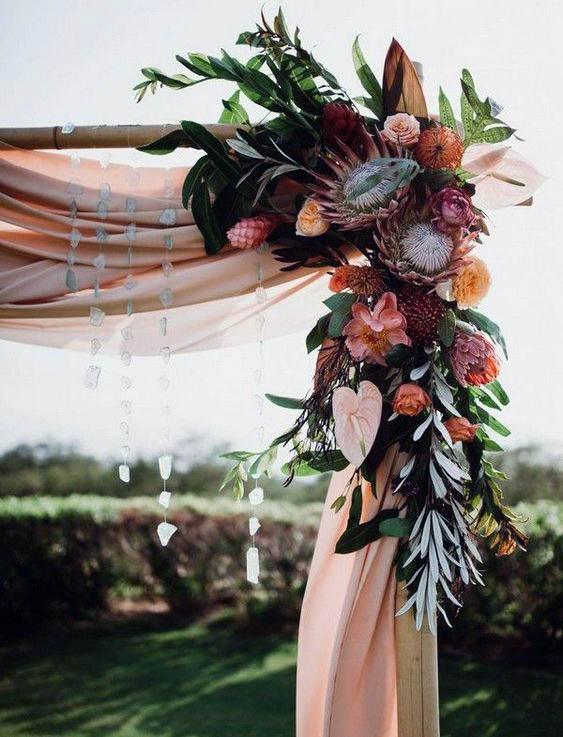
{"x":46,"y":200}
{"x":346,"y":684}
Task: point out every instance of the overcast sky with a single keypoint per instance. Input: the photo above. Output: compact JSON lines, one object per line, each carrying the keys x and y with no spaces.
{"x":77,"y":60}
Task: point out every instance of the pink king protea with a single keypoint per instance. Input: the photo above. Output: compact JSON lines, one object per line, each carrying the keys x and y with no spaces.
{"x":252,"y":232}
{"x":474,"y":359}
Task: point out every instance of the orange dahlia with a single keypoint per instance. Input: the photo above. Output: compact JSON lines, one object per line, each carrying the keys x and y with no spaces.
{"x":365,"y":281}
{"x":439,"y":147}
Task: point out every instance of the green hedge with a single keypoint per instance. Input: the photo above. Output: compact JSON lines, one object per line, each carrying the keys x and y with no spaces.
{"x":62,"y":559}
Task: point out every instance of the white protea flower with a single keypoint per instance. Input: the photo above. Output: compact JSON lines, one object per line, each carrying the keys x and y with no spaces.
{"x":427,"y":249}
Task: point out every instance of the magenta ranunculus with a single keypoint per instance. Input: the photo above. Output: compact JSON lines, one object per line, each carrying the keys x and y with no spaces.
{"x":451,"y":208}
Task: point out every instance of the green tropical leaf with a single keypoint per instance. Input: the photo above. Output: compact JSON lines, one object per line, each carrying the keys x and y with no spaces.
{"x":495,"y":388}
{"x":234,"y":113}
{"x":495,"y":135}
{"x":206,"y":220}
{"x":315,"y":338}
{"x":200,"y":137}
{"x":168,"y":143}
{"x":446,"y":328}
{"x":447,"y":116}
{"x":368,"y":79}
{"x":286,"y":402}
{"x":341,"y":302}
{"x":355,"y":513}
{"x":395,"y":527}
{"x":398,"y":355}
{"x":194,"y":177}
{"x":355,"y":538}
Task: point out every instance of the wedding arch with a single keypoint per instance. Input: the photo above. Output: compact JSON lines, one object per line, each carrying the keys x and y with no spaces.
{"x":155,"y":261}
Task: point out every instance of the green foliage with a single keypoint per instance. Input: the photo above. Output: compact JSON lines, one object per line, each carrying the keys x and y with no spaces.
{"x":480,"y":121}
{"x":368,"y":80}
{"x":447,"y":116}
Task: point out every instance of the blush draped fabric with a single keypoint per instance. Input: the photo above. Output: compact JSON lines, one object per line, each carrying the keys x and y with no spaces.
{"x":346,"y":684}
{"x":214,"y":301}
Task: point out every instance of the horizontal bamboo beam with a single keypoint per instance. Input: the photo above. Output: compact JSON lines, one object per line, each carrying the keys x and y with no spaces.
{"x":96,"y":136}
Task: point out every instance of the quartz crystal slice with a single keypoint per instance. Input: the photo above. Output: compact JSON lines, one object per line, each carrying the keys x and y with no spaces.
{"x":130,"y":204}
{"x":129,"y":308}
{"x":130,"y":282}
{"x":125,"y":452}
{"x":133,"y":177}
{"x":168,"y":242}
{"x":74,"y":160}
{"x":126,"y":406}
{"x":126,"y":358}
{"x":168,"y":216}
{"x":102,"y":210}
{"x":163,"y":323}
{"x":71,"y":281}
{"x":100,"y":262}
{"x":166,"y":297}
{"x":126,"y":382}
{"x":95,"y":346}
{"x":75,"y":187}
{"x":124,"y":473}
{"x":165,"y":354}
{"x":92,"y":377}
{"x":96,"y":316}
{"x":105,"y":191}
{"x":71,"y":257}
{"x":256,"y":496}
{"x":164,"y":382}
{"x":124,"y":430}
{"x":131,"y":232}
{"x":101,"y":234}
{"x":165,"y":531}
{"x":67,"y":128}
{"x":260,"y":294}
{"x":252,"y":565}
{"x":165,"y":466}
{"x":253,"y":525}
{"x":127,"y":333}
{"x":164,"y":499}
{"x":73,"y":210}
{"x":75,"y":236}
{"x":167,"y":268}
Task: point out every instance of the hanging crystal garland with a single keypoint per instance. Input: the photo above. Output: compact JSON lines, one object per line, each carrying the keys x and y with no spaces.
{"x":126,"y":356}
{"x":256,"y":495}
{"x":165,"y":529}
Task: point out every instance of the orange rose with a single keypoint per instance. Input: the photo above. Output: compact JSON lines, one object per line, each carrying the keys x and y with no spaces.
{"x":472,"y":284}
{"x":410,"y":399}
{"x":309,"y":220}
{"x":461,"y":429}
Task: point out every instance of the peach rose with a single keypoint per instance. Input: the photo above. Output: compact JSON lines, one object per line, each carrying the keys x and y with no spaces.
{"x":309,"y":221}
{"x":401,"y":129}
{"x":461,"y":429}
{"x":410,"y":399}
{"x":472,"y":284}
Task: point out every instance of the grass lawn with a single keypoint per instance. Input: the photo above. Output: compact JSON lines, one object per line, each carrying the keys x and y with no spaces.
{"x":134,"y":681}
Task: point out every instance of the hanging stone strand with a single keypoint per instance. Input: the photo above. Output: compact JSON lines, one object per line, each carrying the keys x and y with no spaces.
{"x":127,"y":335}
{"x":165,"y":529}
{"x":256,"y":495}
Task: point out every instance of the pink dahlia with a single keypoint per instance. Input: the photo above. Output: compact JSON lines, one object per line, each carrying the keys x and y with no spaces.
{"x":451,"y":209}
{"x":252,"y":232}
{"x":474,"y":359}
{"x":371,"y":333}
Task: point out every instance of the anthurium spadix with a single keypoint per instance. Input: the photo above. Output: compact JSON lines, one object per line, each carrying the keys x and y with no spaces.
{"x":356,"y":420}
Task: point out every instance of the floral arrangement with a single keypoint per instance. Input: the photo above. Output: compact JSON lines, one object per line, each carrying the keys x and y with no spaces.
{"x":383,"y":201}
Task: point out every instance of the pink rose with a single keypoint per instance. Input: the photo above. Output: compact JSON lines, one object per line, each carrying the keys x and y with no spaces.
{"x":401,"y":129}
{"x":452,"y":209}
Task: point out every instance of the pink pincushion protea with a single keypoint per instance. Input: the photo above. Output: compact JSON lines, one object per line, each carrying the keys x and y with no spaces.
{"x":252,"y":232}
{"x":370,"y":334}
{"x":474,"y":359}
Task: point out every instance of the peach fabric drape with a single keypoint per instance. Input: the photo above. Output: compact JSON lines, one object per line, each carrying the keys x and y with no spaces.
{"x":214,"y":302}
{"x":346,"y":684}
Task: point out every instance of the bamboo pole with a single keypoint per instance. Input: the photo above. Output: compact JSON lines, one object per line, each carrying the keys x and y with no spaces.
{"x":96,"y":136}
{"x":417,"y":676}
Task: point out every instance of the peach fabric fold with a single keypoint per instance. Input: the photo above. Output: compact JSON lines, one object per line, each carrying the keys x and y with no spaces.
{"x":346,"y":680}
{"x":46,"y":200}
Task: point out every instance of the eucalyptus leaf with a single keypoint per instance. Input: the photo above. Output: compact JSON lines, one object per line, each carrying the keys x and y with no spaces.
{"x":286,"y":402}
{"x":446,"y":328}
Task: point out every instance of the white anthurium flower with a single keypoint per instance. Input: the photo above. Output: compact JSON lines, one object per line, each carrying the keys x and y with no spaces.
{"x":357,"y":417}
{"x":444,"y":290}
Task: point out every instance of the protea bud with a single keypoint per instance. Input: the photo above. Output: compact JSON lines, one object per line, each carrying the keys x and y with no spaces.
{"x":339,"y":121}
{"x":252,"y":232}
{"x":474,"y":359}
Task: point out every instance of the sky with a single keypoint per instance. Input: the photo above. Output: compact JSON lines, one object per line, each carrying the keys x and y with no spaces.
{"x":77,"y":61}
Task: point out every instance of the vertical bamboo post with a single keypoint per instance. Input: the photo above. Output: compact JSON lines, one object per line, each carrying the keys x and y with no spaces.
{"x":417,"y":676}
